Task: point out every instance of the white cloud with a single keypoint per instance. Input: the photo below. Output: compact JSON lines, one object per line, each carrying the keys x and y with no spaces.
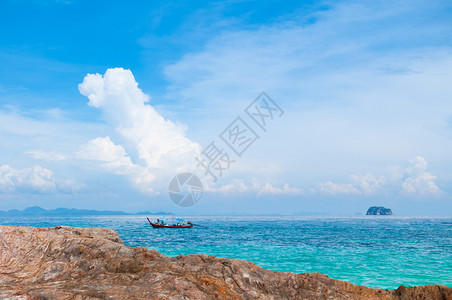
{"x":332,"y":188}
{"x":160,"y":144}
{"x":112,"y":157}
{"x":285,"y":190}
{"x":239,"y":186}
{"x":235,"y":186}
{"x":46,"y":155}
{"x":368,"y":183}
{"x":33,"y":180}
{"x":419,"y":182}
{"x":414,"y":180}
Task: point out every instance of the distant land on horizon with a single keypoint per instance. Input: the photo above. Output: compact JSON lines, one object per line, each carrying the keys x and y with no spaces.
{"x":39,"y":211}
{"x":62,"y":211}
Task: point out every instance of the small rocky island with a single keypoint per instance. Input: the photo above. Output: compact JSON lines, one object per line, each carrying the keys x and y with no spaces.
{"x":379,"y":211}
{"x":93,"y":263}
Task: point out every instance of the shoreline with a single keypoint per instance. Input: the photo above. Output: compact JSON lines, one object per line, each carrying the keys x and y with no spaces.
{"x":65,"y":262}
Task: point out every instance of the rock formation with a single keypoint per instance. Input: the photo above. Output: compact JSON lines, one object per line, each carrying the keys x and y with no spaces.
{"x":378,"y":210}
{"x":93,"y":263}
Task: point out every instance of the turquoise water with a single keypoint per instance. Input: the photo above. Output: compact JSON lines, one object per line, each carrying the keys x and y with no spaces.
{"x":378,"y":252}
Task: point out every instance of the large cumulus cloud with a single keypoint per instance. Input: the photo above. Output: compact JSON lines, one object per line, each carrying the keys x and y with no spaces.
{"x":160,"y":145}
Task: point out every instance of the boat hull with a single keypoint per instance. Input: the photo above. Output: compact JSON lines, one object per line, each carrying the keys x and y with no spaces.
{"x":156,"y":225}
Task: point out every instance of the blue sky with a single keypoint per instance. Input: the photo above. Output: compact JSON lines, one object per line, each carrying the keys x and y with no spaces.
{"x":365,"y":89}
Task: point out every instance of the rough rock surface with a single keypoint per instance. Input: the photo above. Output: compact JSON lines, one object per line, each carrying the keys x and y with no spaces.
{"x":378,"y":210}
{"x":93,"y":263}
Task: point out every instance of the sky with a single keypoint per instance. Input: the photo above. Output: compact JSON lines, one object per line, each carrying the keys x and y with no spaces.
{"x":103,"y":103}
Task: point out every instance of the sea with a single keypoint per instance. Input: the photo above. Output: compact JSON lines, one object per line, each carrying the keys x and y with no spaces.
{"x":374,"y":251}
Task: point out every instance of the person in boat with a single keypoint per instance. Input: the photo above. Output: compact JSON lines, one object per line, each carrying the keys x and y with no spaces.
{"x":158,"y":221}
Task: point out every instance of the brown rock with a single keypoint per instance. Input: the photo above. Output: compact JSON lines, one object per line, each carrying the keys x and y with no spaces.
{"x":93,"y":263}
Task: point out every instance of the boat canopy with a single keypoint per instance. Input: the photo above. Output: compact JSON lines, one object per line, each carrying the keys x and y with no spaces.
{"x":180,"y":220}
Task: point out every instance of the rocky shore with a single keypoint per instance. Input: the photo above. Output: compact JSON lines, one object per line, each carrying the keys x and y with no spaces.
{"x":93,"y":263}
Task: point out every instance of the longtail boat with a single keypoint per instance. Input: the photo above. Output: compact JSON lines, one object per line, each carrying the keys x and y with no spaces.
{"x":159,"y":225}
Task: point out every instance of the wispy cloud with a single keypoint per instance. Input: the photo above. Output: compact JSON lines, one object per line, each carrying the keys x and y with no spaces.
{"x":46,"y":155}
{"x":332,"y":188}
{"x":239,"y":186}
{"x":349,"y":39}
{"x":364,"y":85}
